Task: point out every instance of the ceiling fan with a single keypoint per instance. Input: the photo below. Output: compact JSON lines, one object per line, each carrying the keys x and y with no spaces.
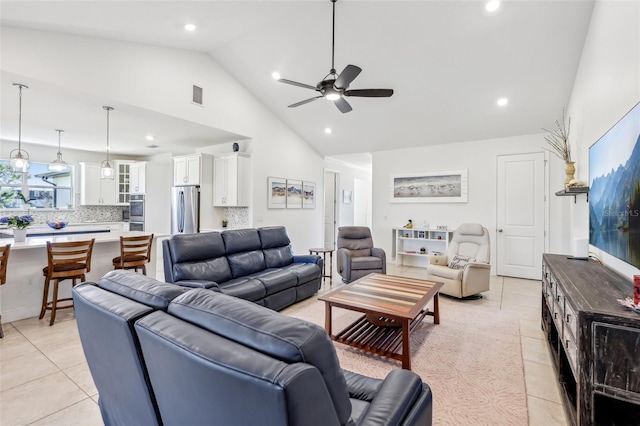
{"x":334,"y":86}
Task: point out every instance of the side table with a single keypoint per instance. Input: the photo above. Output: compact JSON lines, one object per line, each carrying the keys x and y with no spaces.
{"x":324,"y":261}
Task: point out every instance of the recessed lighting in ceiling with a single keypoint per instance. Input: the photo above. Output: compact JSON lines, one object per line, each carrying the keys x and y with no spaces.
{"x":327,"y":130}
{"x":149,"y":137}
{"x":275,"y":75}
{"x":492,"y":6}
{"x":502,"y":102}
{"x":189,"y":27}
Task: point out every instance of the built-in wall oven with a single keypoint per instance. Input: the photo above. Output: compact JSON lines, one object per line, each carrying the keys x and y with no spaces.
{"x":136,"y":212}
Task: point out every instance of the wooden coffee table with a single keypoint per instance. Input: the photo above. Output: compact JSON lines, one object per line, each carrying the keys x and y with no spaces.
{"x":393,"y":308}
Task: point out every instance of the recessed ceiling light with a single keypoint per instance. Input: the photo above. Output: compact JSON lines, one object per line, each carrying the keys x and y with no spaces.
{"x":275,"y":75}
{"x":189,"y":27}
{"x":149,"y":137}
{"x":328,"y":131}
{"x":492,"y":6}
{"x":502,"y":101}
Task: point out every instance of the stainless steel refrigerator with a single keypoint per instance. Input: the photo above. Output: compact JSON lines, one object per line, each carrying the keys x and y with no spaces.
{"x":185,"y":209}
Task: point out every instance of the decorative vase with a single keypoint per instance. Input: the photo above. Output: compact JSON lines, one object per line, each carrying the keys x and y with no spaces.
{"x":570,"y":171}
{"x":19,"y":235}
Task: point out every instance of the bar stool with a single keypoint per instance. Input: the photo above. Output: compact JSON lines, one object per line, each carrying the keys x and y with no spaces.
{"x":4,"y":258}
{"x":134,"y":253}
{"x":66,"y":261}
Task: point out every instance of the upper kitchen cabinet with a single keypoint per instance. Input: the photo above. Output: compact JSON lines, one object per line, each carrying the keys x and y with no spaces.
{"x":94,"y":190}
{"x":231,"y":180}
{"x":137,"y":177}
{"x":123,"y":170}
{"x":187,"y":170}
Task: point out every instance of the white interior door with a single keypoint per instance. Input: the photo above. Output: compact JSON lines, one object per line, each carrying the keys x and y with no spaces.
{"x":361,"y":202}
{"x":330,"y":206}
{"x":520,"y":210}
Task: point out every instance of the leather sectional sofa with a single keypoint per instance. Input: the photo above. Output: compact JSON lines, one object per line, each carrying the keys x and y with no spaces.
{"x":257,"y":265}
{"x":162,"y":354}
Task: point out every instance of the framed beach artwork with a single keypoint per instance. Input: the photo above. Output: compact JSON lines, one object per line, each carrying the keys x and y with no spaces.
{"x":430,"y":187}
{"x":294,"y":194}
{"x":308,"y":195}
{"x":276,"y":193}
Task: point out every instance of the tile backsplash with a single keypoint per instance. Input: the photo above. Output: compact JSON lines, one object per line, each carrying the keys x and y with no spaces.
{"x":80,"y":214}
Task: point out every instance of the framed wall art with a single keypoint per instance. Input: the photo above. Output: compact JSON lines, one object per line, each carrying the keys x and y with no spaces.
{"x":276,"y":193}
{"x":430,"y":187}
{"x":347,"y":196}
{"x":308,"y":195}
{"x":294,"y":194}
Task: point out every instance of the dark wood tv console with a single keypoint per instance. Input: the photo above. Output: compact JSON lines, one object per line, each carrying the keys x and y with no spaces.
{"x":594,"y":340}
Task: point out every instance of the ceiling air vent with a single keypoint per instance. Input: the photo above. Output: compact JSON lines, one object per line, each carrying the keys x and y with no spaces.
{"x":197,"y":95}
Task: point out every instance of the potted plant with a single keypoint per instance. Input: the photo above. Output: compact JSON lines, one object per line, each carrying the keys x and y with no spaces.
{"x":19,"y":224}
{"x":558,"y":140}
{"x":225,"y":222}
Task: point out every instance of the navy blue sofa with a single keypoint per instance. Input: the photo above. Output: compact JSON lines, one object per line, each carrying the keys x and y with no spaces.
{"x":257,"y":265}
{"x":164,"y":355}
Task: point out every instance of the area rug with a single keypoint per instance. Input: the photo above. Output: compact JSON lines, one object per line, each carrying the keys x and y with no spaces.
{"x":472,"y":361}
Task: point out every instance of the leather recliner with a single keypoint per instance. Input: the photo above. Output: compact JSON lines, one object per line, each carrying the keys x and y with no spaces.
{"x":356,"y":254}
{"x":105,"y":314}
{"x":216,"y":359}
{"x":465,"y":270}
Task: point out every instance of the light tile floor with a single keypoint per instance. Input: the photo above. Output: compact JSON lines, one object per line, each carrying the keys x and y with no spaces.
{"x":45,"y":380}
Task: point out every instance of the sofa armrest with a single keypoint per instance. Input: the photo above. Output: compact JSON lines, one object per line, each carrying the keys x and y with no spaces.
{"x":438,"y":260}
{"x":344,"y":263}
{"x":396,"y":399}
{"x":308,"y":258}
{"x":212,"y":285}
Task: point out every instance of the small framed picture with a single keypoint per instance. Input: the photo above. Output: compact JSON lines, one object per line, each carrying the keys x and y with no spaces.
{"x":420,"y":234}
{"x":277,"y":193}
{"x":347,"y":196}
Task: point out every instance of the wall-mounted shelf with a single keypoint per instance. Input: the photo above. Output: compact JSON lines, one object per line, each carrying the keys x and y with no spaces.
{"x":573,"y":192}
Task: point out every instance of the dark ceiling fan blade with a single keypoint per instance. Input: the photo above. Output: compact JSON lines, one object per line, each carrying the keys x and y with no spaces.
{"x":295,"y":83}
{"x":369,"y":93}
{"x":348,"y":74}
{"x":306,"y":101}
{"x":342,"y":105}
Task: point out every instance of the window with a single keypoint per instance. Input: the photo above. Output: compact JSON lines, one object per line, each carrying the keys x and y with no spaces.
{"x":45,"y":189}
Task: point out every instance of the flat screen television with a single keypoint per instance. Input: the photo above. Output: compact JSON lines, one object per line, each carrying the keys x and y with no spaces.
{"x":614,"y":193}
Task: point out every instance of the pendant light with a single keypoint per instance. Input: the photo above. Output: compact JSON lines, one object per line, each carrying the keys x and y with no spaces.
{"x":106,"y":168}
{"x":59,"y":165}
{"x":19,"y":158}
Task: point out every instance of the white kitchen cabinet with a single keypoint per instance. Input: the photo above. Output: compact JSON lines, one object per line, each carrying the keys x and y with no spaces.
{"x":186,"y":170}
{"x":231,"y":180}
{"x":94,"y":190}
{"x":122,"y":181}
{"x":137,"y":177}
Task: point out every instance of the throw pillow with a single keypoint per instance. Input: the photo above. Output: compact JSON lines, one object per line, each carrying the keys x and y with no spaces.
{"x":459,"y":262}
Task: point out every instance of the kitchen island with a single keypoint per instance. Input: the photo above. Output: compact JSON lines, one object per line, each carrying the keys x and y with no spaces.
{"x":21,"y":296}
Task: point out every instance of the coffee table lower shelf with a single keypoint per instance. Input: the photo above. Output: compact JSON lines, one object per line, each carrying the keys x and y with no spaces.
{"x":378,"y":339}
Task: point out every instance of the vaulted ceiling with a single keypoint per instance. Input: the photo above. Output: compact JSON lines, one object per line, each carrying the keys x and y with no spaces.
{"x":447,"y":61}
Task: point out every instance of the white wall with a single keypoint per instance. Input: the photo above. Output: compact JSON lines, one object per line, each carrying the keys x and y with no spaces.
{"x":479,"y":157}
{"x":607,"y":86}
{"x":160,"y":79}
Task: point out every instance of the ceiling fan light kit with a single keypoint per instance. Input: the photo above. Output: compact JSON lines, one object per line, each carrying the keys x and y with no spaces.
{"x":334,"y":86}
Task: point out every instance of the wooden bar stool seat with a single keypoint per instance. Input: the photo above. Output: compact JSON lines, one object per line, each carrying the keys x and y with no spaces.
{"x":66,"y":261}
{"x":135,"y":252}
{"x":4,"y":258}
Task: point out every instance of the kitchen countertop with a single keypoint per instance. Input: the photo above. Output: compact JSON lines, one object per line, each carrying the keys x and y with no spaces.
{"x":101,"y":237}
{"x":80,"y":227}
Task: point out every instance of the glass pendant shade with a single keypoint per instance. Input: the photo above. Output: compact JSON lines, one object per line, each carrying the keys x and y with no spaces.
{"x":59,"y":165}
{"x":19,"y":158}
{"x":106,"y":168}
